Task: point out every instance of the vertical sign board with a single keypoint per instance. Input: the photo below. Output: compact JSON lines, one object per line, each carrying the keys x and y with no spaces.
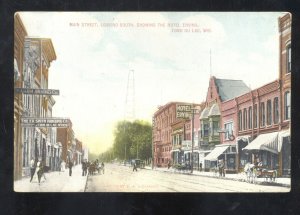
{"x":183,"y":111}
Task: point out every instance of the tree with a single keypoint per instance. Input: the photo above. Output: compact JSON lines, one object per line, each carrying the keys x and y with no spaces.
{"x":133,"y":139}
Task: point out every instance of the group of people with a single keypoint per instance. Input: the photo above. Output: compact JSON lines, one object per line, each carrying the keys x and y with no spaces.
{"x":91,"y":167}
{"x":37,"y":167}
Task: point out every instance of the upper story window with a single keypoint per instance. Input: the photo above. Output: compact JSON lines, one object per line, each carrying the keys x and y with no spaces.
{"x":287,"y":105}
{"x":215,"y":128}
{"x":250,"y":118}
{"x":269,"y":112}
{"x":245,"y":119}
{"x":240,"y":120}
{"x":206,"y":129}
{"x":262,"y":114}
{"x":229,"y":130}
{"x":276,"y":110}
{"x":255,"y":116}
{"x":288,"y":58}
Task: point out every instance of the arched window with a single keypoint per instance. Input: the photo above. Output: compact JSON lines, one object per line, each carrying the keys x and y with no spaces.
{"x":245,"y":119}
{"x":250,"y":118}
{"x":262,"y":114}
{"x":269,"y":112}
{"x":287,"y":105}
{"x":240,"y":120}
{"x":288,"y":58}
{"x":276,"y":110}
{"x":255,"y":116}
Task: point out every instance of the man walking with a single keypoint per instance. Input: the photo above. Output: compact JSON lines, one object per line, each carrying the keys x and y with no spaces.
{"x":32,"y":168}
{"x":70,"y":167}
{"x":134,"y":167}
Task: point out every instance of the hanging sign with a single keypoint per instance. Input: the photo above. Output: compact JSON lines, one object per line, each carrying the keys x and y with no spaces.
{"x":37,"y":91}
{"x":45,"y":122}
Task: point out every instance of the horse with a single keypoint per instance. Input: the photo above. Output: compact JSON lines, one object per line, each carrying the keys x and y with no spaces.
{"x":251,"y":173}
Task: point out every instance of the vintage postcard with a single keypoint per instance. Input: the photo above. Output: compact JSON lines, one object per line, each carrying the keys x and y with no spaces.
{"x":152,"y":102}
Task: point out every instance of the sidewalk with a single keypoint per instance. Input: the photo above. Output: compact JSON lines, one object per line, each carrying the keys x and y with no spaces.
{"x":55,"y":182}
{"x":284,"y":182}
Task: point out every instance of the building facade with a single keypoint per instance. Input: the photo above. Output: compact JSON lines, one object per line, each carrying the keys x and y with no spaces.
{"x":219,"y":92}
{"x":19,"y":38}
{"x":66,"y":137}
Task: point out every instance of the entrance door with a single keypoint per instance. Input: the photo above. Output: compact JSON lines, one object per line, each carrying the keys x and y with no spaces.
{"x":286,"y":156}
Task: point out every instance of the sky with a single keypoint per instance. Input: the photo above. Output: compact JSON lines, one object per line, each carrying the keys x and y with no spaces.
{"x":172,"y":55}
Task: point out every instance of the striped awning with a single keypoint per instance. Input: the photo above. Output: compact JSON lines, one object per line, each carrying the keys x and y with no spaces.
{"x":267,"y":142}
{"x":216,"y":152}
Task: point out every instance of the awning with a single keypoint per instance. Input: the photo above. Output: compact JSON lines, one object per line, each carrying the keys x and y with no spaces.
{"x":267,"y":142}
{"x":216,"y":152}
{"x":281,"y":135}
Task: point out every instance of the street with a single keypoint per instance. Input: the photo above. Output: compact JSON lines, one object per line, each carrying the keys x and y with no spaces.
{"x":119,"y":178}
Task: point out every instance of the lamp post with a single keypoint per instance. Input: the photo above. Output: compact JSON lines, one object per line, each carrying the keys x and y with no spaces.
{"x":194,"y":110}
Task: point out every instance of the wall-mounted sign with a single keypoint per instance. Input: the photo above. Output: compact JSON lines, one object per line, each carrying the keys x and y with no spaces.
{"x":44,"y":122}
{"x":37,"y":91}
{"x":183,"y":111}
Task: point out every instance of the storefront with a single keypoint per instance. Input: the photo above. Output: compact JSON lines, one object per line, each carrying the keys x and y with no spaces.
{"x":226,"y":152}
{"x":273,"y":150}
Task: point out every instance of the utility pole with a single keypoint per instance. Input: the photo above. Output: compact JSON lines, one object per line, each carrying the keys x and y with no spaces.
{"x":194,"y":110}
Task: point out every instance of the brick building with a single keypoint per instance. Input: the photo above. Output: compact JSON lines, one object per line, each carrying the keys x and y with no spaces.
{"x":66,"y":137}
{"x":219,"y":91}
{"x":19,"y":36}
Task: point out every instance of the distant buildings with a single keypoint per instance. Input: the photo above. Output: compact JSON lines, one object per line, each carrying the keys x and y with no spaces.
{"x":235,"y":124}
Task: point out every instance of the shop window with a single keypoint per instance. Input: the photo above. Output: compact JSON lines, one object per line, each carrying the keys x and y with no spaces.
{"x":245,"y":119}
{"x":250,"y":118}
{"x":240,"y":120}
{"x":269,"y":112}
{"x":262,"y":114}
{"x":287,"y":105}
{"x":276,"y":110}
{"x":255,"y":116}
{"x":288,"y":59}
{"x":229,"y":130}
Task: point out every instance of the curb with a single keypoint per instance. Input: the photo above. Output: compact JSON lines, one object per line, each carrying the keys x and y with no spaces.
{"x":233,"y":179}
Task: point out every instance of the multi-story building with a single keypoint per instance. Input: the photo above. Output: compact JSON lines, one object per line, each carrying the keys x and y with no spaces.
{"x":78,"y":152}
{"x":264,"y":115}
{"x":285,"y":71}
{"x":171,"y":135}
{"x":66,"y":137}
{"x":38,"y":55}
{"x":219,"y":91}
{"x":19,"y":37}
{"x":32,"y":59}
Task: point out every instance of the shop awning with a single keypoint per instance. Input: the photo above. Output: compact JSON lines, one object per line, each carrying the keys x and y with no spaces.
{"x":281,"y":135}
{"x":267,"y":142}
{"x":216,"y":152}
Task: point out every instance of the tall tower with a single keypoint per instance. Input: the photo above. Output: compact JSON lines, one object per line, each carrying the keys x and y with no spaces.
{"x":130,"y":97}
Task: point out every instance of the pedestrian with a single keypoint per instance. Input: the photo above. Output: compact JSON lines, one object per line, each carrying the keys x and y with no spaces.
{"x":102,"y":167}
{"x":201,"y":167}
{"x":70,"y":167}
{"x":32,"y":168}
{"x":169,"y":165}
{"x":134,"y":167}
{"x":40,"y":170}
{"x":221,"y":166}
{"x":84,"y":167}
